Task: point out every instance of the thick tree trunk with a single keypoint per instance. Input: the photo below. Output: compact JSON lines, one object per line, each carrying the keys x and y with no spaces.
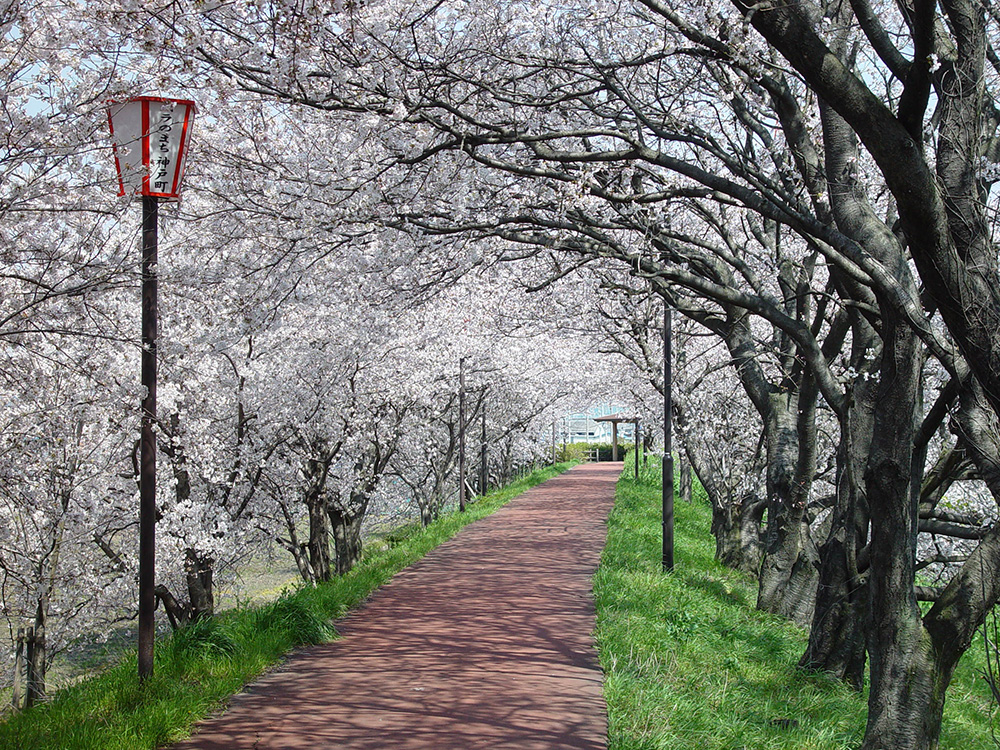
{"x":198,"y":573}
{"x":300,"y":554}
{"x":346,"y":538}
{"x":199,"y":570}
{"x":788,"y":573}
{"x":431,"y":506}
{"x":906,"y":697}
{"x":298,"y":550}
{"x":319,"y":539}
{"x":905,"y":711}
{"x":788,"y":577}
{"x":837,"y":636}
{"x":736,"y":525}
{"x":427,"y":515}
{"x":737,"y":530}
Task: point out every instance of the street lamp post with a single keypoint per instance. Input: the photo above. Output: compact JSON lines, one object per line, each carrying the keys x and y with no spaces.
{"x":636,"y":438}
{"x":484,"y":476}
{"x":668,"y":455}
{"x":150,"y":137}
{"x":461,"y":435}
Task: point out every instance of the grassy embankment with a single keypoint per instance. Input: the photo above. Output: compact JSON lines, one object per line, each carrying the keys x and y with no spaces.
{"x":198,"y":668}
{"x":690,"y":663}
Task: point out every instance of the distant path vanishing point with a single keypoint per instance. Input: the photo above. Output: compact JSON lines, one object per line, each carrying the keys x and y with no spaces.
{"x":484,"y":643}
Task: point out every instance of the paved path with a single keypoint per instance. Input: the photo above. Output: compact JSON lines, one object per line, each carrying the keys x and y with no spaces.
{"x":485,"y":643}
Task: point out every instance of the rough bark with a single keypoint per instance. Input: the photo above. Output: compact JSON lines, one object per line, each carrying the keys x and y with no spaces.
{"x":788,"y":574}
{"x":298,"y":550}
{"x":17,"y":691}
{"x":906,"y":695}
{"x":837,"y":634}
{"x":36,"y":657}
{"x":315,"y":496}
{"x":346,"y":527}
{"x":736,"y":527}
{"x":684,"y":472}
{"x":177,"y":611}
{"x":199,"y":570}
{"x":319,"y":538}
{"x":837,"y":637}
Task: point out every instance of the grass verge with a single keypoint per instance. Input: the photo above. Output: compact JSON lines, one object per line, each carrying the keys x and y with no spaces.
{"x":690,"y":663}
{"x":201,"y":666}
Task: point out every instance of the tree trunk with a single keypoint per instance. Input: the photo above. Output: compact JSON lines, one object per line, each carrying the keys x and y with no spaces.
{"x":431,"y":505}
{"x":177,"y":612}
{"x":788,"y":573}
{"x":346,"y":538}
{"x":319,"y":538}
{"x":426,"y":512}
{"x":736,"y":527}
{"x":35,"y":661}
{"x":905,"y":710}
{"x":198,"y":570}
{"x":685,"y":483}
{"x":906,"y":697}
{"x":300,"y":553}
{"x":837,"y":636}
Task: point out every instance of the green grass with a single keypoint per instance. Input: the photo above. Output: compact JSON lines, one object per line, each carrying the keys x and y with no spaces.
{"x":689,"y":662}
{"x":201,"y":666}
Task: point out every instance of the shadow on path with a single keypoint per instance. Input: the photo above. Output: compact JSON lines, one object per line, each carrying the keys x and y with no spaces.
{"x":485,"y":643}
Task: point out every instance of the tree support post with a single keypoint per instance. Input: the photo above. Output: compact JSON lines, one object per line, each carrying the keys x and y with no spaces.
{"x":35,"y":666}
{"x":17,"y":696}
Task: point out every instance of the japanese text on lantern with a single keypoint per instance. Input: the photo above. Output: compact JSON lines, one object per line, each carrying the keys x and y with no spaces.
{"x":159,"y":158}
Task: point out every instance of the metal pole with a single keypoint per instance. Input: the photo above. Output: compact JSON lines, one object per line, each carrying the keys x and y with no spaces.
{"x":668,"y":455}
{"x":147,"y":450}
{"x":461,"y":435}
{"x":637,"y":450}
{"x":554,"y":442}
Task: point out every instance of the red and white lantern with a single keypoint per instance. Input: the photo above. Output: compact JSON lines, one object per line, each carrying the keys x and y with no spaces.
{"x":150,"y":136}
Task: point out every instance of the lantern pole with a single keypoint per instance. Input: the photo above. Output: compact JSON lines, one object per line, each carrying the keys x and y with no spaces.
{"x":147,"y":450}
{"x":150,"y":137}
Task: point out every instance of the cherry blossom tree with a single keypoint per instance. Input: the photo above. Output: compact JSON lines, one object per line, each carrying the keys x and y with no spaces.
{"x":579,"y":106}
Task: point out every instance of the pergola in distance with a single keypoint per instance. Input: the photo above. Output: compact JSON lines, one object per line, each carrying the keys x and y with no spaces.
{"x":615,"y":419}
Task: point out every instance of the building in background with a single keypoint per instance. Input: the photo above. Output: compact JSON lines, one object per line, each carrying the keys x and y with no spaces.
{"x":581,"y":427}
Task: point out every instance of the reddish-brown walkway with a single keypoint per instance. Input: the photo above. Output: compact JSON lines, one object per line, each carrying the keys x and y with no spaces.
{"x":485,"y":643}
